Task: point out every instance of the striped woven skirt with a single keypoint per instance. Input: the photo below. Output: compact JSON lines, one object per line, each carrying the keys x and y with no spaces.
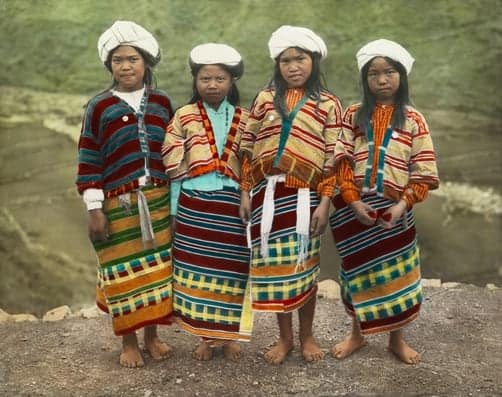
{"x":211,"y":266}
{"x":280,"y":282}
{"x":380,"y":271}
{"x":134,"y":279}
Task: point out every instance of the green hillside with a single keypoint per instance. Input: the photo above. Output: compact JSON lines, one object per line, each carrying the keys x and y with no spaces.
{"x":51,"y":45}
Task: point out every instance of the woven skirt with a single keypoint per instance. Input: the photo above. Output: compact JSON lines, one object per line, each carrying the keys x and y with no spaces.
{"x":211,"y":266}
{"x":134,"y":277}
{"x":380,"y":271}
{"x":281,"y":282}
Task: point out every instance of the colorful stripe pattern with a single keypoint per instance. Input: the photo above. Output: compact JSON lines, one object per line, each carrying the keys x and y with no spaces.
{"x":135,"y":281}
{"x":110,"y":155}
{"x":308,"y":150}
{"x":380,"y":275}
{"x":278,"y":283}
{"x":409,"y":155}
{"x":190,"y":150}
{"x":211,"y":265}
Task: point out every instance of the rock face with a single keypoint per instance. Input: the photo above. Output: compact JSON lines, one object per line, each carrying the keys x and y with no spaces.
{"x":457,"y":332}
{"x":57,"y":314}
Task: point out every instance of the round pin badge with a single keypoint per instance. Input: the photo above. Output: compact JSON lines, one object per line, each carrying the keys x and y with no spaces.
{"x":125,"y":118}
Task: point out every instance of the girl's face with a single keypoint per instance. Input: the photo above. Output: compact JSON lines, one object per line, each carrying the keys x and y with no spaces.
{"x":383,"y":80}
{"x":295,"y":66}
{"x":128,"y":68}
{"x":213,"y":84}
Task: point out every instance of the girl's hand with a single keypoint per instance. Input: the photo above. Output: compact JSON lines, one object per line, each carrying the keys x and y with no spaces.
{"x":389,"y":218}
{"x":245,"y":207}
{"x":320,"y":217}
{"x":363,"y":212}
{"x":98,"y":225}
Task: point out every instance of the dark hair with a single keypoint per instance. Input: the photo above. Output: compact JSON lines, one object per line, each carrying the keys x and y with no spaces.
{"x":150,"y":61}
{"x":314,"y":85}
{"x":235,"y":72}
{"x":401,"y":98}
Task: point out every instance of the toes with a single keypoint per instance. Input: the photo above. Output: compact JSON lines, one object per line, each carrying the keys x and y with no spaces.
{"x":313,"y":356}
{"x":131,"y":358}
{"x":202,"y":353}
{"x":273,"y":359}
{"x":131,"y":364}
{"x":232,"y":351}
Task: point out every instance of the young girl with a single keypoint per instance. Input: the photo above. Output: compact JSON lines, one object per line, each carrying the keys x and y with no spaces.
{"x":287,"y":181}
{"x":385,"y":163}
{"x":211,"y":258}
{"x":124,"y":186}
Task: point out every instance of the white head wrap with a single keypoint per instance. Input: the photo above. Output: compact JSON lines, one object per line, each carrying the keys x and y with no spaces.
{"x":294,"y":36}
{"x":214,"y":53}
{"x":126,"y":33}
{"x":384,"y":48}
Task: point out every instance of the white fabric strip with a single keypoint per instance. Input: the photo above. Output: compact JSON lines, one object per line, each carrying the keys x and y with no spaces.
{"x":147,"y":233}
{"x":93,"y":198}
{"x":302,"y":226}
{"x":248,"y":226}
{"x":268,"y":212}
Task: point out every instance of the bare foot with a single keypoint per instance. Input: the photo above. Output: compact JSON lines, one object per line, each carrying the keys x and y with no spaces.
{"x":203,"y":352}
{"x":311,"y":350}
{"x":158,"y":349}
{"x":130,"y":357}
{"x":404,"y":352}
{"x":350,"y":345}
{"x":232,"y":350}
{"x":279,"y":351}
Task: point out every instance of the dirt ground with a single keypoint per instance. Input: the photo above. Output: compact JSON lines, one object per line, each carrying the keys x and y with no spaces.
{"x":458,"y":333}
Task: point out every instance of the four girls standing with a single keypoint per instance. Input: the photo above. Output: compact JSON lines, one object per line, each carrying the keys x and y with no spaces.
{"x":274,"y":171}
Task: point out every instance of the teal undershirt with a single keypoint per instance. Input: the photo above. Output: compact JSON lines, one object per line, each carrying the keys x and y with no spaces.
{"x":214,"y":180}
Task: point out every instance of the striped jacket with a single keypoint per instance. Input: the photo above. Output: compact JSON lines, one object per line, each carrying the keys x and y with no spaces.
{"x":308,"y":152}
{"x":190,"y":149}
{"x":109,"y":150}
{"x":409,"y":156}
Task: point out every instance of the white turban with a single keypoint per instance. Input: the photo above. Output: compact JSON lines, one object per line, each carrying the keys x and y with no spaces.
{"x":294,"y":36}
{"x":126,"y":33}
{"x":214,"y":53}
{"x":384,"y":48}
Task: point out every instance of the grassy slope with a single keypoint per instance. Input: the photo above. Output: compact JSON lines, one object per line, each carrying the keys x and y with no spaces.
{"x":51,"y":45}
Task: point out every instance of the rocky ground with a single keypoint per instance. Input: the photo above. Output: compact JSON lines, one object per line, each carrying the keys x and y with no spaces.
{"x":458,"y":333}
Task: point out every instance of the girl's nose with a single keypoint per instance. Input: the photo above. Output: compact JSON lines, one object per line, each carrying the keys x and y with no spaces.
{"x":382,"y":78}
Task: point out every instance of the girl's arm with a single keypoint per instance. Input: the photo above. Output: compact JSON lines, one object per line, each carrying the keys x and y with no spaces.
{"x":422,"y":162}
{"x":173,"y":149}
{"x":89,"y":175}
{"x":251,"y":129}
{"x":331,"y":133}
